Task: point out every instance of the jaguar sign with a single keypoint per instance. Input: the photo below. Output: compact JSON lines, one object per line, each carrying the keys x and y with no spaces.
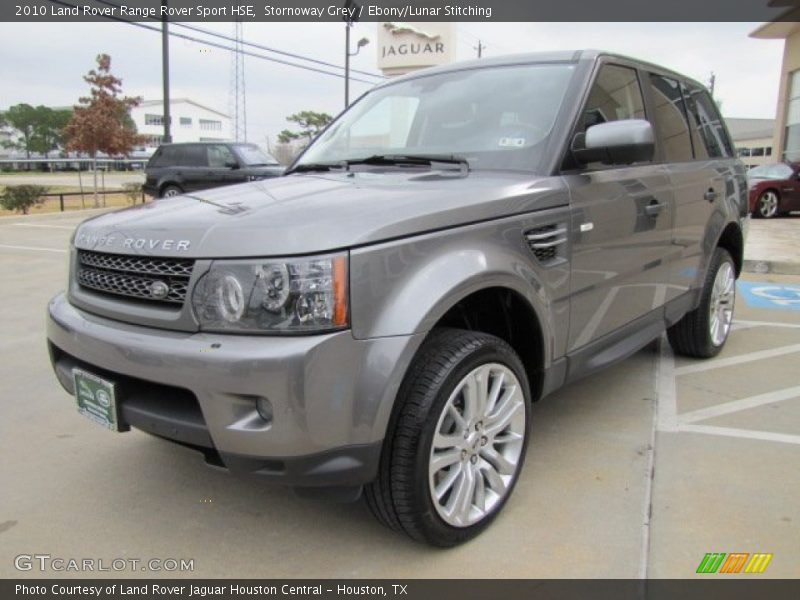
{"x":404,"y":47}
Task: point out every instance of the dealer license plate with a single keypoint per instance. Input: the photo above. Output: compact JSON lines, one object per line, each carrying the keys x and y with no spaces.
{"x":97,"y":399}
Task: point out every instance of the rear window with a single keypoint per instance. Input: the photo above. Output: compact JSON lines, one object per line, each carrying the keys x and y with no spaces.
{"x":770,"y":172}
{"x":708,"y":131}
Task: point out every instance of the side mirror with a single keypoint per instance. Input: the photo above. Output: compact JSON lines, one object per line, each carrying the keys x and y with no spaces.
{"x":232,"y":164}
{"x":615,"y":143}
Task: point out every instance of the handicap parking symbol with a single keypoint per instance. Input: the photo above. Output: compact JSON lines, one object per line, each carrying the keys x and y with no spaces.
{"x":770,"y":295}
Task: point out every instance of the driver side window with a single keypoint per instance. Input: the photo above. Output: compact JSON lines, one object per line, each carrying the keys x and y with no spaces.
{"x":615,"y":96}
{"x":220,"y":156}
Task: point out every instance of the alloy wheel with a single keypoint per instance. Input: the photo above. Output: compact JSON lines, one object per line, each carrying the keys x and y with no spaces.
{"x":723,"y":295}
{"x":768,"y":205}
{"x":477,"y":445}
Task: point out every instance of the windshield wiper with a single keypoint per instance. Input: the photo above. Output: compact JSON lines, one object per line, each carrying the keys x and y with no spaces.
{"x":411,"y":159}
{"x":307,"y":167}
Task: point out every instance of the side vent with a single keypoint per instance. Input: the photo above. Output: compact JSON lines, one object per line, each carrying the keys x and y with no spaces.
{"x":547,"y":242}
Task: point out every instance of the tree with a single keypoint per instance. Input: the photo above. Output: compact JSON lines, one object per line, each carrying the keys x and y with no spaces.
{"x":23,"y":119}
{"x":48,"y":132}
{"x":39,"y":128}
{"x":21,"y":197}
{"x":310,"y":122}
{"x":101,"y":122}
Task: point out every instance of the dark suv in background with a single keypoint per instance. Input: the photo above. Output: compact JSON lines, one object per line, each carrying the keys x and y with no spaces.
{"x":178,"y":168}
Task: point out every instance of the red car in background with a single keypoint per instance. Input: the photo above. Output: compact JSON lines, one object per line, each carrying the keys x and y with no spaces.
{"x":774,"y":189}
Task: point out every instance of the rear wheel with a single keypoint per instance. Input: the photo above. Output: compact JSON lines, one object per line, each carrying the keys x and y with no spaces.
{"x":457,"y":443}
{"x":702,"y":333}
{"x":171,"y":190}
{"x":767,"y":204}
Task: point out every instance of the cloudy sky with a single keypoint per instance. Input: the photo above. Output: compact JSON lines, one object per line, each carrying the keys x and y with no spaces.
{"x":43,"y":62}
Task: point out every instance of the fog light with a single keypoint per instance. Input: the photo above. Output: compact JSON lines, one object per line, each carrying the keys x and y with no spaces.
{"x":264,"y":408}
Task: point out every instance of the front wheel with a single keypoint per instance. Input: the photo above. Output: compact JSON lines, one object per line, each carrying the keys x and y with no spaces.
{"x":767,"y":205}
{"x":458,"y":441}
{"x":703,"y":332}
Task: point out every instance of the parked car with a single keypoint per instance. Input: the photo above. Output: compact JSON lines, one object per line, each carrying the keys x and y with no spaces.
{"x":461,"y":242}
{"x":774,"y":189}
{"x":180,"y":168}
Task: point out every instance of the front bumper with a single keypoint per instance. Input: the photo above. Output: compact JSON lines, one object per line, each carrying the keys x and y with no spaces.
{"x":331,"y":394}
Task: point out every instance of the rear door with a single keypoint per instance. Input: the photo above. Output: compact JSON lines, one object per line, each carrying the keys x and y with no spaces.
{"x":702,"y":186}
{"x":194,"y":170}
{"x":621,"y":222}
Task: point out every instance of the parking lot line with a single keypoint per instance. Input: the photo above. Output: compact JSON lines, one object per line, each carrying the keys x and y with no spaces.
{"x":43,"y":226}
{"x":34,"y":248}
{"x":736,"y":360}
{"x":736,"y":405}
{"x":749,"y":434}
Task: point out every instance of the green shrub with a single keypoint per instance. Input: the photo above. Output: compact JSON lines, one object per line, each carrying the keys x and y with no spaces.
{"x":20,"y":198}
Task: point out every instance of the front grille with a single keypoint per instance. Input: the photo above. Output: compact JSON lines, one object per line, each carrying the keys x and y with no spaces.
{"x":135,"y":276}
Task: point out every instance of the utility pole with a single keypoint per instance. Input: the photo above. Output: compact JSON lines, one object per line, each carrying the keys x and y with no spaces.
{"x":711,"y":81}
{"x":479,"y":48}
{"x":165,"y":73}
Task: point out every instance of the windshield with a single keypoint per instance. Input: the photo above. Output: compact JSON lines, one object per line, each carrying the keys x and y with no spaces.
{"x":253,"y":155}
{"x":495,"y":118}
{"x":777,"y":171}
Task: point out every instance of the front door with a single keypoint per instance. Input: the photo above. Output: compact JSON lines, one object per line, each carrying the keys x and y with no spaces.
{"x":621,"y":224}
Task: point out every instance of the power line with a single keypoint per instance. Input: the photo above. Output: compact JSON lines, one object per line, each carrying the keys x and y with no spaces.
{"x":259,"y":46}
{"x":282,"y":52}
{"x":221,"y":46}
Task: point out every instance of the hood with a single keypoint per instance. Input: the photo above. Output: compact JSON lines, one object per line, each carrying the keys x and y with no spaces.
{"x":315,"y":212}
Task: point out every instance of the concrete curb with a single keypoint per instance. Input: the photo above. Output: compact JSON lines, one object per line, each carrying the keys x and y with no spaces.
{"x":768,"y":266}
{"x":86,"y":212}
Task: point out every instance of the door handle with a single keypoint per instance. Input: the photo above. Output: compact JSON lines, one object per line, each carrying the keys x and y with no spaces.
{"x":711,"y":195}
{"x":652,"y":210}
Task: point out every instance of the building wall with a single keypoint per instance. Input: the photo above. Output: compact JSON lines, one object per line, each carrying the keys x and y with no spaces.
{"x":791,"y":63}
{"x":190,"y":123}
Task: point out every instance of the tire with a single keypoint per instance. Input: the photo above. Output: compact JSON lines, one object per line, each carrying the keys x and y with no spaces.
{"x":483,"y":460}
{"x":695,"y":334}
{"x":767,"y":205}
{"x":168,"y":191}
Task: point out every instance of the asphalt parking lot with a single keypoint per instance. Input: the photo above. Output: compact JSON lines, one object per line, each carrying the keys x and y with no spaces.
{"x":638,"y":471}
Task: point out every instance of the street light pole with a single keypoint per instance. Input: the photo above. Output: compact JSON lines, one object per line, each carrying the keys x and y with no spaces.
{"x":351,"y":16}
{"x":165,"y":74}
{"x":347,"y":25}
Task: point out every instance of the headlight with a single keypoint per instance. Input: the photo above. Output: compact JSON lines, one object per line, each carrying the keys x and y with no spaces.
{"x":274,"y":295}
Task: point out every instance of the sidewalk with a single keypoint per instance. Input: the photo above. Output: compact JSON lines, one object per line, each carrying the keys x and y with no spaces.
{"x":773,"y":246}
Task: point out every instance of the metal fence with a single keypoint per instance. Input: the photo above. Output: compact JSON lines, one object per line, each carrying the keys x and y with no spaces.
{"x":90,"y":194}
{"x":71,"y":164}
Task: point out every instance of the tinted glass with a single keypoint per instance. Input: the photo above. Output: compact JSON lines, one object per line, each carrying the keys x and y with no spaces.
{"x":193,"y":156}
{"x":497,"y":118}
{"x":220,"y":156}
{"x":255,"y":156}
{"x":615,"y":96}
{"x":670,"y":119}
{"x":707,"y":128}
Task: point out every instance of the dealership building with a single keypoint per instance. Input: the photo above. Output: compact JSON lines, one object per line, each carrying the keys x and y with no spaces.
{"x":191,"y":122}
{"x":786,"y":135}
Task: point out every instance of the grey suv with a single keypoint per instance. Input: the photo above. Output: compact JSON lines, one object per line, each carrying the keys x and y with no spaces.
{"x":459,"y":243}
